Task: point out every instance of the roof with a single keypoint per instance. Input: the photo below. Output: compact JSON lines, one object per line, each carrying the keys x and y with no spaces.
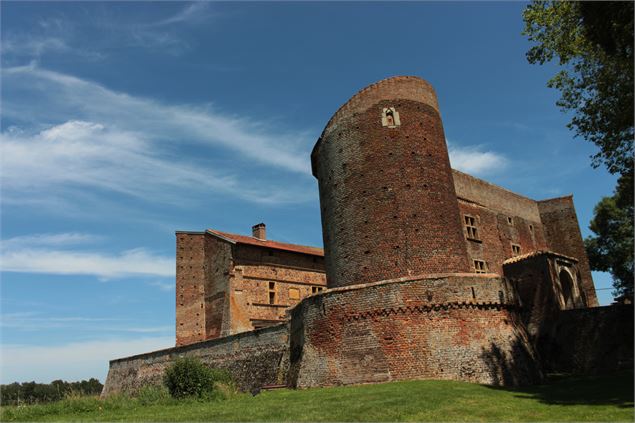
{"x":537,"y":253}
{"x":250,"y":240}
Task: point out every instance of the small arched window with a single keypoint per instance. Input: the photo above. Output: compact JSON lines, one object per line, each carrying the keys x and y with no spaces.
{"x":390,"y":117}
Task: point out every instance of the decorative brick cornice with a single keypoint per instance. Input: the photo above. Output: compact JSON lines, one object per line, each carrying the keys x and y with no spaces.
{"x":427,"y":308}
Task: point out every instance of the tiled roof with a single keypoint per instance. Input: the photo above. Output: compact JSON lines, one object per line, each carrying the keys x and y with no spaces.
{"x":250,"y":240}
{"x":536,"y":253}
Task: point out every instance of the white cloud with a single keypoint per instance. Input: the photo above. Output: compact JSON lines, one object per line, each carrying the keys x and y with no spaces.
{"x":72,"y":361}
{"x":135,"y":146}
{"x":135,"y":262}
{"x":161,"y":123}
{"x":195,"y":12}
{"x":475,"y":161}
{"x":49,"y":253}
{"x":68,"y":238}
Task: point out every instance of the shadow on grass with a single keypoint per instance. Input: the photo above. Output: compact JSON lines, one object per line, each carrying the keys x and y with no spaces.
{"x":612,"y":389}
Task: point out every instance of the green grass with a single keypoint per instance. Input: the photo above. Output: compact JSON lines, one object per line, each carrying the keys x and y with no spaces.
{"x":608,"y":398}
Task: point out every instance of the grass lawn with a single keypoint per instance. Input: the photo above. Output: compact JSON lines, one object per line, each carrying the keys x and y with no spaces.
{"x":607,"y":398}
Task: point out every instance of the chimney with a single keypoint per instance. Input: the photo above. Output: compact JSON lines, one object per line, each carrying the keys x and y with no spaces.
{"x":259,"y":231}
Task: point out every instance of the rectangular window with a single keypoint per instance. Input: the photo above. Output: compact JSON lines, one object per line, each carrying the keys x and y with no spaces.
{"x":272,"y":292}
{"x":316,"y":289}
{"x":516,"y":249}
{"x":470,"y":227}
{"x":294,"y":294}
{"x":480,"y":266}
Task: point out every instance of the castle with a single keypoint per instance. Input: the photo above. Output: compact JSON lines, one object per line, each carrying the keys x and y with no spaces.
{"x":427,"y":272}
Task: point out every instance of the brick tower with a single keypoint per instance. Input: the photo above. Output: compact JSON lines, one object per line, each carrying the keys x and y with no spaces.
{"x":387,"y":197}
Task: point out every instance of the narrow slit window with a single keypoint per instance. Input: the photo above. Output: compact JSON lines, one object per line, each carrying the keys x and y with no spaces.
{"x":470,"y":227}
{"x":272,"y":292}
{"x":515,"y":249}
{"x":480,"y":266}
{"x":510,"y":220}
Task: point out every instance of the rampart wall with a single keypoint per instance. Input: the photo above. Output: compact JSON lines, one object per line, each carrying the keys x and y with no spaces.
{"x":589,"y":340}
{"x":253,"y":358}
{"x":461,"y":327}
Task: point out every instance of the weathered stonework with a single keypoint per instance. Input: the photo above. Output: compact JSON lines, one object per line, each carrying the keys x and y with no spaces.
{"x":432,"y":273}
{"x":457,"y":326}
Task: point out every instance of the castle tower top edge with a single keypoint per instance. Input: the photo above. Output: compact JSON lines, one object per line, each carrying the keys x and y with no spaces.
{"x":402,"y":87}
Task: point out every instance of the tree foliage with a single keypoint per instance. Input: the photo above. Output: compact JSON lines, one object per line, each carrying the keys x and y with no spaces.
{"x":31,"y":392}
{"x":611,"y":249}
{"x":593,"y":43}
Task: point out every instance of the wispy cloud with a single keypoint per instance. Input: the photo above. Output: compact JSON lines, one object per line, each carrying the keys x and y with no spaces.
{"x":135,"y":262}
{"x":50,"y":253}
{"x":71,"y":361}
{"x":34,"y":321}
{"x":475,"y":160}
{"x":192,"y":13}
{"x":126,"y":144}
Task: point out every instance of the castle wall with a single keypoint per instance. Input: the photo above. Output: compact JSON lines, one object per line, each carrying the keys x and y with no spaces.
{"x":589,"y":340}
{"x":202,"y":269}
{"x":495,"y":198}
{"x":461,"y":327}
{"x":386,"y":192}
{"x":294,"y":276}
{"x":496,"y":235}
{"x":537,"y":280}
{"x":563,"y":236}
{"x":254,"y":359}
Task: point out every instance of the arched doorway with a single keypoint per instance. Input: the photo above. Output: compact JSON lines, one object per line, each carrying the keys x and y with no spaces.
{"x":566,"y":282}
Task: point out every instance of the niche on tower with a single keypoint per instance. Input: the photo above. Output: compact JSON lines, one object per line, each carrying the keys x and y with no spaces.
{"x":390,"y":117}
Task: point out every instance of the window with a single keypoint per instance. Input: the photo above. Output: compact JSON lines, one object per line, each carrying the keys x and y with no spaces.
{"x":515,"y":249}
{"x":316,"y":289}
{"x":531,"y":228}
{"x":272,"y":292}
{"x":294,"y":294}
{"x":470,"y":227}
{"x":390,"y":117}
{"x":510,"y":221}
{"x":480,"y":266}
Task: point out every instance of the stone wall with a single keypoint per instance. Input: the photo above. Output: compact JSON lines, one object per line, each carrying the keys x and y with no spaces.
{"x":253,"y":358}
{"x":461,"y":327}
{"x":254,"y":269}
{"x":590,"y":341}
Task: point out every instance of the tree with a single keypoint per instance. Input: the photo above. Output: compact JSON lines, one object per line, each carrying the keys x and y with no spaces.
{"x":593,"y":42}
{"x":611,"y":249}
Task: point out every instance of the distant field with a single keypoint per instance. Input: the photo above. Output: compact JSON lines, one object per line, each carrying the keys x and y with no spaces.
{"x":608,"y":398}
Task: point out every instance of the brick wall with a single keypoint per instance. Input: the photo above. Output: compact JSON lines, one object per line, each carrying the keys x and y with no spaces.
{"x":460,"y":327}
{"x":495,"y":235}
{"x":387,"y":194}
{"x":254,"y":359}
{"x":563,"y":235}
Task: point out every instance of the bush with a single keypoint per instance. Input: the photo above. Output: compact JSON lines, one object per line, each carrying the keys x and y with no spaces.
{"x":188,"y":377}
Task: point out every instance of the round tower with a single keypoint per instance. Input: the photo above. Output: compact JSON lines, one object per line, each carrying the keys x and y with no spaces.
{"x":387,"y":197}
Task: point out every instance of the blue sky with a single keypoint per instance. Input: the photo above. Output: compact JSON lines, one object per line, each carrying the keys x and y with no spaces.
{"x":123,"y":122}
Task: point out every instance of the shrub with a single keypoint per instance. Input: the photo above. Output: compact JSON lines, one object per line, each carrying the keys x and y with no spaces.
{"x":188,"y":377}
